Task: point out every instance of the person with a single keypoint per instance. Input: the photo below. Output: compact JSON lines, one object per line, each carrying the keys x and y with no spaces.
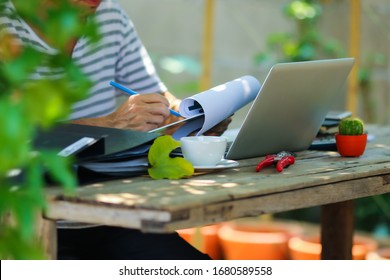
{"x":120,"y":56}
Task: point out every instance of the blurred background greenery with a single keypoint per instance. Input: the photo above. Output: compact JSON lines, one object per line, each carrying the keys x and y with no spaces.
{"x":248,"y":31}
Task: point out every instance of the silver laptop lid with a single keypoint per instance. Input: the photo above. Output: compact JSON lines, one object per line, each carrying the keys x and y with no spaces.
{"x":290,"y":107}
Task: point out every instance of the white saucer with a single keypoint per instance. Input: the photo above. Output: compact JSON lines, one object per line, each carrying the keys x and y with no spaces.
{"x":225,"y":163}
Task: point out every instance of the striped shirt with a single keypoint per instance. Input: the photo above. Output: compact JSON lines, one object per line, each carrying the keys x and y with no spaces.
{"x":120,"y":56}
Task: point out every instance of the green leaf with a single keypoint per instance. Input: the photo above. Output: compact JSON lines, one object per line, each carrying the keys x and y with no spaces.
{"x":59,"y":168}
{"x":18,"y":70}
{"x":14,"y":136}
{"x":17,"y":247}
{"x":164,"y":166}
{"x":29,"y":200}
{"x":48,"y":101}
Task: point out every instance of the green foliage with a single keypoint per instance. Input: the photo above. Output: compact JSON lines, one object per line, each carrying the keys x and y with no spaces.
{"x":305,"y":42}
{"x":28,"y":105}
{"x":63,"y":21}
{"x":373,"y":214}
{"x":18,"y":249}
{"x":351,"y":126}
{"x":164,"y":166}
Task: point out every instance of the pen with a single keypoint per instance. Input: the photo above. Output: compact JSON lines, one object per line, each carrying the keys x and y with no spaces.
{"x":132,"y":92}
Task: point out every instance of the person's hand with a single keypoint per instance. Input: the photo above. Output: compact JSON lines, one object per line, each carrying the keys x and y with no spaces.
{"x":142,"y":112}
{"x":219,"y":128}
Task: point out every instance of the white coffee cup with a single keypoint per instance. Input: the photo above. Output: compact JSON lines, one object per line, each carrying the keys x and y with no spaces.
{"x":203,"y":150}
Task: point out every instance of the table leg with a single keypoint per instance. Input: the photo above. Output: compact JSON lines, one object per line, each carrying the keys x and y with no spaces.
{"x":47,"y":236}
{"x":337,"y":225}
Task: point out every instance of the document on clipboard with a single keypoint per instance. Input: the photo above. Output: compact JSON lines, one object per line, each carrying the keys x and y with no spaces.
{"x":204,"y":110}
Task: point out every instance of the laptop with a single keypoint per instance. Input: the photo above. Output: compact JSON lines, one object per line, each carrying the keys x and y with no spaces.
{"x":290,"y":107}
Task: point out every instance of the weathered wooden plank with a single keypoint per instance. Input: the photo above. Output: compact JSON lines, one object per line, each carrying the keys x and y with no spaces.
{"x":95,"y":214}
{"x":281,"y":202}
{"x":161,"y":220}
{"x":218,"y":187}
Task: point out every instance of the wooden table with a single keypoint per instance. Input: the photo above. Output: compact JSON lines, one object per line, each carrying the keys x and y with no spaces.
{"x":317,"y":178}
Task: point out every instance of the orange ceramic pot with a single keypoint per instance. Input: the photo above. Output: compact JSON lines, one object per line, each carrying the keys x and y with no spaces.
{"x":256,"y":240}
{"x":309,"y":247}
{"x":205,"y":239}
{"x":351,"y":145}
{"x":379,"y":254}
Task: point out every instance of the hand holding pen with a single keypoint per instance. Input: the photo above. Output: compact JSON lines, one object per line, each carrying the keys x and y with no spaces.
{"x":142,"y":112}
{"x":131,"y":92}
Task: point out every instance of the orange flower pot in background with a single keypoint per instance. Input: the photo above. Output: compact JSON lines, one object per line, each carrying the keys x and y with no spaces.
{"x":379,"y":254}
{"x":204,"y":239}
{"x":351,"y":145}
{"x":309,"y":247}
{"x":256,"y":240}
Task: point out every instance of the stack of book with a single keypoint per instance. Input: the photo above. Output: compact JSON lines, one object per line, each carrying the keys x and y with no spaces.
{"x":325,"y":139}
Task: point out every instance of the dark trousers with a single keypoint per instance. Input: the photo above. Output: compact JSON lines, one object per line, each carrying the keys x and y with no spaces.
{"x":115,"y":243}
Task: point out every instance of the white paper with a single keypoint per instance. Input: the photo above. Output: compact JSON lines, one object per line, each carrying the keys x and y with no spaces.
{"x":220,"y":102}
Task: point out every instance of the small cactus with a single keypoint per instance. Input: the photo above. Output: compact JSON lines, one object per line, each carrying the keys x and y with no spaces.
{"x":351,"y":126}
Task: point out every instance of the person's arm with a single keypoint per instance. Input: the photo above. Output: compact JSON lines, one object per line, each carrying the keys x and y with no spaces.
{"x":145,"y":112}
{"x":141,"y":112}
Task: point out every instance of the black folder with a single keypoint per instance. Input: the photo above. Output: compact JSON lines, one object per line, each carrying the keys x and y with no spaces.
{"x":99,"y":151}
{"x":100,"y":143}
